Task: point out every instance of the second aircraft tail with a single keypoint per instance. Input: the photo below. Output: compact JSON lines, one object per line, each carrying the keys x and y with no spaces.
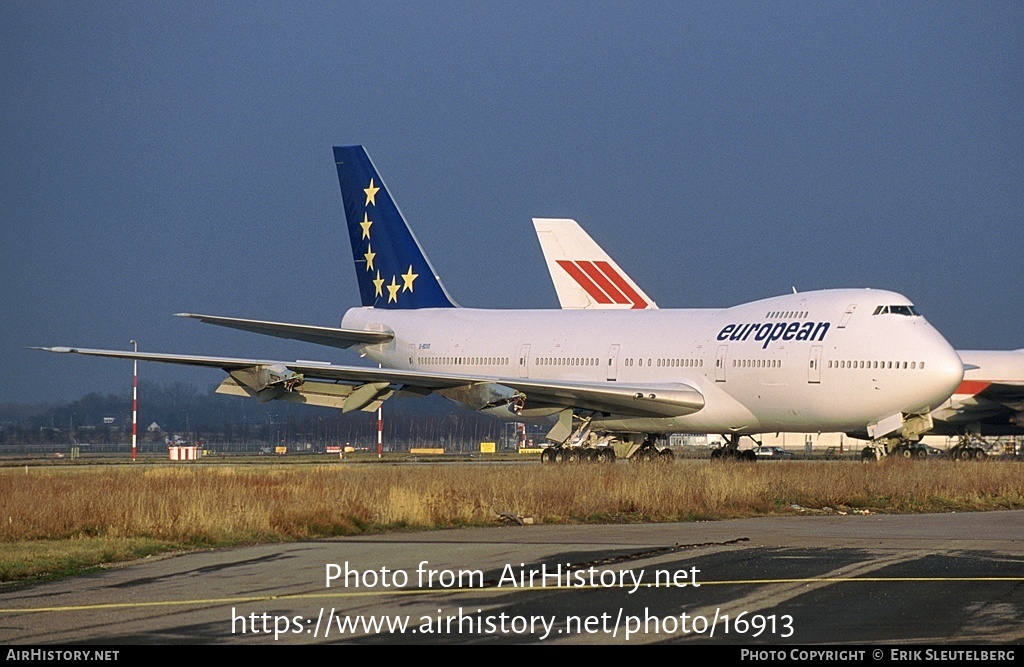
{"x":583,"y":273}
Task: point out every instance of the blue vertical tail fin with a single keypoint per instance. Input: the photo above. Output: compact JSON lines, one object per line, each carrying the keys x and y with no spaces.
{"x":391,"y":268}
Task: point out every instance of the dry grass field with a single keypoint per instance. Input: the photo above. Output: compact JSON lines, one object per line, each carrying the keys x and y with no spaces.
{"x":59,"y":519}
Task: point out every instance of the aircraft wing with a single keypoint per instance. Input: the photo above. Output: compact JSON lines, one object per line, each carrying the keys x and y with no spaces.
{"x":662,"y":400}
{"x":279,"y":377}
{"x":331,"y":336}
{"x":990,"y":400}
{"x":993,"y":408}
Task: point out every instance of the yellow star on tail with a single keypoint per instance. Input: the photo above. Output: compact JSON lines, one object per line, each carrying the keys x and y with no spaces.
{"x":371,"y":192}
{"x":365,"y":224}
{"x":378,"y":285}
{"x":393,"y":290}
{"x":408,"y":278}
{"x":369,"y":255}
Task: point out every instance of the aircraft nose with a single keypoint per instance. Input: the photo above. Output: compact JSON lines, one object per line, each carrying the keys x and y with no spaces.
{"x":947,"y":373}
{"x":943,"y":371}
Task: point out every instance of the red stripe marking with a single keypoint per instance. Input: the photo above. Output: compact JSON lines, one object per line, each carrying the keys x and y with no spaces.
{"x":972,"y":387}
{"x":606,"y":269}
{"x":603,"y":282}
{"x":583,"y":281}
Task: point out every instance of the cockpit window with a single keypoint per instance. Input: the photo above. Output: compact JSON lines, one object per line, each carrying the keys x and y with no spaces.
{"x":897,"y":310}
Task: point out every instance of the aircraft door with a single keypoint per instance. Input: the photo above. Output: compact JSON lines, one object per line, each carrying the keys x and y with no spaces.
{"x":613,"y":363}
{"x":723,"y":352}
{"x":524,"y":361}
{"x":814,"y":365}
{"x":847,"y":315}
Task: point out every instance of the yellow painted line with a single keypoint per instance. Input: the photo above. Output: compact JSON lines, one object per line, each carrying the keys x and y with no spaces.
{"x":239,"y":600}
{"x":505,"y":589}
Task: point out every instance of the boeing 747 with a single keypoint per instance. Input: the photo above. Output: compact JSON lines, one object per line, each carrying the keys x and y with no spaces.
{"x":814,"y":361}
{"x":989,"y":401}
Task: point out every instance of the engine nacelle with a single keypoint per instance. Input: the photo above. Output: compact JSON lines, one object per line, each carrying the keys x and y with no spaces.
{"x":268,"y":381}
{"x":482,"y":395}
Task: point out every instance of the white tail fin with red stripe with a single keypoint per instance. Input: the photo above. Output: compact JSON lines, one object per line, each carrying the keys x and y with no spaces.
{"x":585,"y":277}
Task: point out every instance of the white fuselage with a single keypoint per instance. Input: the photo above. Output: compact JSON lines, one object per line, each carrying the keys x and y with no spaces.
{"x":990,"y":400}
{"x":815,"y":361}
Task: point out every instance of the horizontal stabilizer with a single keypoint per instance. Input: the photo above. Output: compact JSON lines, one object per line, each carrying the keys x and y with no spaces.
{"x":331,"y":336}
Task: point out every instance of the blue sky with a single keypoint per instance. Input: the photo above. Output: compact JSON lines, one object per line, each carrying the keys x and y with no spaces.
{"x":168,"y":157}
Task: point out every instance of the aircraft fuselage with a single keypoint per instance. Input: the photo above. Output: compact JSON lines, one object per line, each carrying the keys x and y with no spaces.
{"x":815,"y":361}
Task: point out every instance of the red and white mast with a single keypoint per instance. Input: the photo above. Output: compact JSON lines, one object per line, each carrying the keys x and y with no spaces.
{"x":135,"y":401}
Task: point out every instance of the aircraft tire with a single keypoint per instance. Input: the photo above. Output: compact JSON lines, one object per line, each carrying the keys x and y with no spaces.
{"x":666,"y":455}
{"x":868,"y":454}
{"x":562,"y":455}
{"x":716,"y":454}
{"x":979,"y":454}
{"x":920,"y":453}
{"x":644,"y":455}
{"x":548,"y":455}
{"x":748,"y":455}
{"x":905,"y":452}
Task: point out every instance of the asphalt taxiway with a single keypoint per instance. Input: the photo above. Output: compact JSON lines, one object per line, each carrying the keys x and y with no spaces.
{"x":949,"y":578}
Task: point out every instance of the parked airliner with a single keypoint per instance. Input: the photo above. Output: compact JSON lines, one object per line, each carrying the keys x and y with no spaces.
{"x":989,"y":400}
{"x":814,"y":361}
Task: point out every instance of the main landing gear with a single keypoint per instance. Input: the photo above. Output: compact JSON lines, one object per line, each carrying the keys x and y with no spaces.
{"x":581,"y":446}
{"x":731,"y":451}
{"x":649,"y":451}
{"x":578,"y":454}
{"x":587,"y":447}
{"x":966,"y":450}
